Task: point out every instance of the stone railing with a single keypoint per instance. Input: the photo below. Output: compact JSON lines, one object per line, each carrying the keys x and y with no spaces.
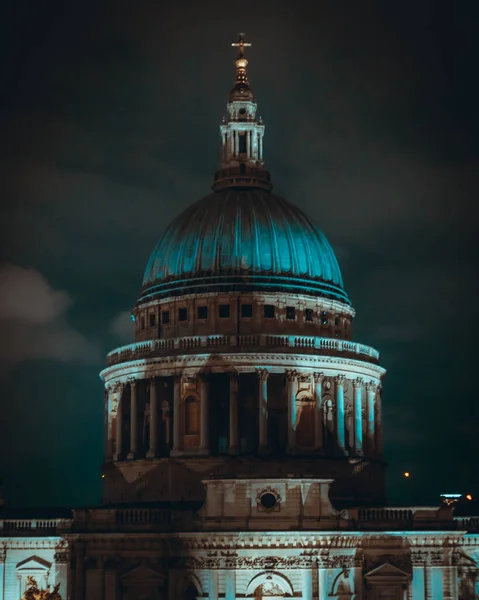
{"x":31,"y":527}
{"x":470,"y":524}
{"x":407,"y":519}
{"x":133,"y":519}
{"x":240,"y":343}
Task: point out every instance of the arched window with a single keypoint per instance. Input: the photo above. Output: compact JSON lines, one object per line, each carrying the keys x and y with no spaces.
{"x":192,"y":416}
{"x":191,"y":593}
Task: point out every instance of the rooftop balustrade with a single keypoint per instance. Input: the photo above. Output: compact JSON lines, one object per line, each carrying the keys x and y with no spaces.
{"x":241,"y":343}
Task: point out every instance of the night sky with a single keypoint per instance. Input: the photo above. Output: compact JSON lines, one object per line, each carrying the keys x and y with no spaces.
{"x":109,"y":116}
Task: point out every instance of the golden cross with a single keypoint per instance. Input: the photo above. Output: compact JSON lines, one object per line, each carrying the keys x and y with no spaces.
{"x":241,"y":44}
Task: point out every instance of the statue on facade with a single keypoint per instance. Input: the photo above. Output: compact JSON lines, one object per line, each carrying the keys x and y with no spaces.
{"x":34,"y":593}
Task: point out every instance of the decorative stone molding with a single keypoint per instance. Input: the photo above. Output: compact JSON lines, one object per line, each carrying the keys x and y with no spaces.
{"x":291,"y":375}
{"x":318,"y":377}
{"x":371,"y":386}
{"x":340,"y":380}
{"x":263,"y":374}
{"x":358,"y":382}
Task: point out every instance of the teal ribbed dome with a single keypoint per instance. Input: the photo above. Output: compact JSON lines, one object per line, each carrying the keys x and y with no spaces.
{"x":241,"y":240}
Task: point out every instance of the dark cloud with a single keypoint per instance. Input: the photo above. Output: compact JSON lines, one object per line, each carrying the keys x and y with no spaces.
{"x":109,"y":119}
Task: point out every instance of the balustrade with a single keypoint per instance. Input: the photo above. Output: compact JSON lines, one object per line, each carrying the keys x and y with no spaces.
{"x":317,"y":345}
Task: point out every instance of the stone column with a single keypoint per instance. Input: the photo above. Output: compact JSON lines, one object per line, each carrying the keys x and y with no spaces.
{"x":263,"y":409}
{"x":318,"y":411}
{"x":322,"y":583}
{"x":339,"y":392}
{"x":107,"y":421}
{"x":307,"y":584}
{"x":119,"y":422}
{"x":80,"y":572}
{"x":260,"y":147}
{"x":153,"y":449}
{"x":371,"y":392}
{"x":133,"y":421}
{"x":176,"y":413}
{"x":232,"y":144}
{"x":233,"y":441}
{"x":230,"y":584}
{"x":291,"y":388}
{"x":213,"y":595}
{"x":2,"y":573}
{"x":62,"y":563}
{"x":418,"y":583}
{"x":436,"y":585}
{"x":358,"y":415}
{"x":379,"y":422}
{"x":204,"y":408}
{"x":111,"y":581}
{"x":248,"y":143}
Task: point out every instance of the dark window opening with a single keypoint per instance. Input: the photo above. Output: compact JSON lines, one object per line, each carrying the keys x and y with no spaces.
{"x":152,"y":319}
{"x":224,"y":311}
{"x":336,"y":321}
{"x":165,"y":317}
{"x":202,"y":312}
{"x":308,"y":314}
{"x":242,"y":111}
{"x":290,"y":312}
{"x":182,"y":314}
{"x":242,"y":143}
{"x":247,"y":310}
{"x":242,"y":169}
{"x":269,"y":311}
{"x":142,"y":322}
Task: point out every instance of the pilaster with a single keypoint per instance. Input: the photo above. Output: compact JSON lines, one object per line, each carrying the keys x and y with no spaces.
{"x":263,"y":409}
{"x":318,"y":410}
{"x":153,"y":449}
{"x":204,"y":409}
{"x":119,"y":421}
{"x":340,"y":430}
{"x":233,"y":441}
{"x":358,"y":415}
{"x":291,"y":382}
{"x":133,"y":421}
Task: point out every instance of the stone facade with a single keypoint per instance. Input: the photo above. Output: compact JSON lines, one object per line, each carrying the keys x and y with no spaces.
{"x":243,"y":427}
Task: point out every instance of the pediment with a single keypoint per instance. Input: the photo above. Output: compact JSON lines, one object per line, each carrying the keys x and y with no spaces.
{"x":33,"y":563}
{"x":386,"y":571}
{"x":142,"y":575}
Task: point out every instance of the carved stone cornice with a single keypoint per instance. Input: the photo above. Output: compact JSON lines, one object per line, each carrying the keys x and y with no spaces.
{"x":247,"y":562}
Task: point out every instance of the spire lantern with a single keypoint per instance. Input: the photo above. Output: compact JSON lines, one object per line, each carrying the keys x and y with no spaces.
{"x":242,"y":133}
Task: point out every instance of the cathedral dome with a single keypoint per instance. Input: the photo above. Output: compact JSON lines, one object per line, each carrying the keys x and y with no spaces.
{"x":242,"y":240}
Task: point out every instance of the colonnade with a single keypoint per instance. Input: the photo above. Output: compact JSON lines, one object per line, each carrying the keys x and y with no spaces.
{"x":231,"y":144}
{"x":355,"y":427}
